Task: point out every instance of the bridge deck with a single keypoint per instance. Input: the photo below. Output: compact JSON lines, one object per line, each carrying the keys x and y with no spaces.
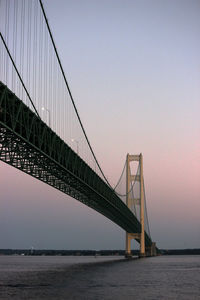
{"x":28,"y":144}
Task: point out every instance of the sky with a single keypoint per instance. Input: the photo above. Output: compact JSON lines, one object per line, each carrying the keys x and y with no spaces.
{"x":134,"y":70}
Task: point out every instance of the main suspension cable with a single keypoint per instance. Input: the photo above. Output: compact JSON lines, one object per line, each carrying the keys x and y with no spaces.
{"x":145,"y":203}
{"x":132,"y":184}
{"x":20,"y":78}
{"x":120,"y":176}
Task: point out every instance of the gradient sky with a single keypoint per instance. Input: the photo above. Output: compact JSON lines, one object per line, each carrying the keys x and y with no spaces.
{"x":134,"y":71}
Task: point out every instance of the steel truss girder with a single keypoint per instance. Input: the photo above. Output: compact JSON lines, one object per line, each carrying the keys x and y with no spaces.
{"x":28,"y":144}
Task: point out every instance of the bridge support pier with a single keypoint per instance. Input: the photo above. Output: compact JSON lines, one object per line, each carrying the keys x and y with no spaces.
{"x":129,"y":237}
{"x":129,"y":202}
{"x":151,"y":251}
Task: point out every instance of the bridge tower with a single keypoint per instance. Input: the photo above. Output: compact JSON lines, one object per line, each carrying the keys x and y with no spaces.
{"x":139,"y":201}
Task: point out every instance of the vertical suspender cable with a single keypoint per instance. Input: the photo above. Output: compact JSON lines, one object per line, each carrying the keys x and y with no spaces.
{"x":70,"y":94}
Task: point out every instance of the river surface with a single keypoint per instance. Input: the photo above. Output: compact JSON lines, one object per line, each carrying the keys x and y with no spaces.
{"x":70,"y":277}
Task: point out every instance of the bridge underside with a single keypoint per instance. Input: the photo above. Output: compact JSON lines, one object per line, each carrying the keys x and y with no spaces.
{"x":28,"y":144}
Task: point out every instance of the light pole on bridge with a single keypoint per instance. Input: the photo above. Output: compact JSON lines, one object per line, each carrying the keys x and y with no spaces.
{"x":44,"y":108}
{"x":77,"y":145}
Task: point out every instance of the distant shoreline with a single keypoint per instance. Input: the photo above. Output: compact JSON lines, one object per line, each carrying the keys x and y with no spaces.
{"x":39,"y":252}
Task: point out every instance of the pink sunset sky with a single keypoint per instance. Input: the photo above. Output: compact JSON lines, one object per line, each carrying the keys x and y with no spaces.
{"x":134,"y":71}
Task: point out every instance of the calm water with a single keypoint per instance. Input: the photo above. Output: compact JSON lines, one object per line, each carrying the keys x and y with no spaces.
{"x":164,"y":277}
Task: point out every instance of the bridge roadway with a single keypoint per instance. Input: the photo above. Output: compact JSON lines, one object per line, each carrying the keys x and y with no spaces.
{"x":28,"y":144}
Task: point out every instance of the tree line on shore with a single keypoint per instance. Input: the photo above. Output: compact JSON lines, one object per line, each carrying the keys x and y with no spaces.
{"x":93,"y":252}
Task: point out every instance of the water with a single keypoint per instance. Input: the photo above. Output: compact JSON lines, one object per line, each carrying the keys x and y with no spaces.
{"x":64,"y":277}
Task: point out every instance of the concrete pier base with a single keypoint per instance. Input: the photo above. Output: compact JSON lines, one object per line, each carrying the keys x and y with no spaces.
{"x":142,"y":255}
{"x":128,"y":255}
{"x":151,"y":251}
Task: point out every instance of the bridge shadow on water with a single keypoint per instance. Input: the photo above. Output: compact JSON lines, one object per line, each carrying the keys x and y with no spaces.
{"x":82,"y":280}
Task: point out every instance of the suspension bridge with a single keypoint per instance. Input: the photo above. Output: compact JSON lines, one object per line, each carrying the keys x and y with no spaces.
{"x":41,"y":132}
